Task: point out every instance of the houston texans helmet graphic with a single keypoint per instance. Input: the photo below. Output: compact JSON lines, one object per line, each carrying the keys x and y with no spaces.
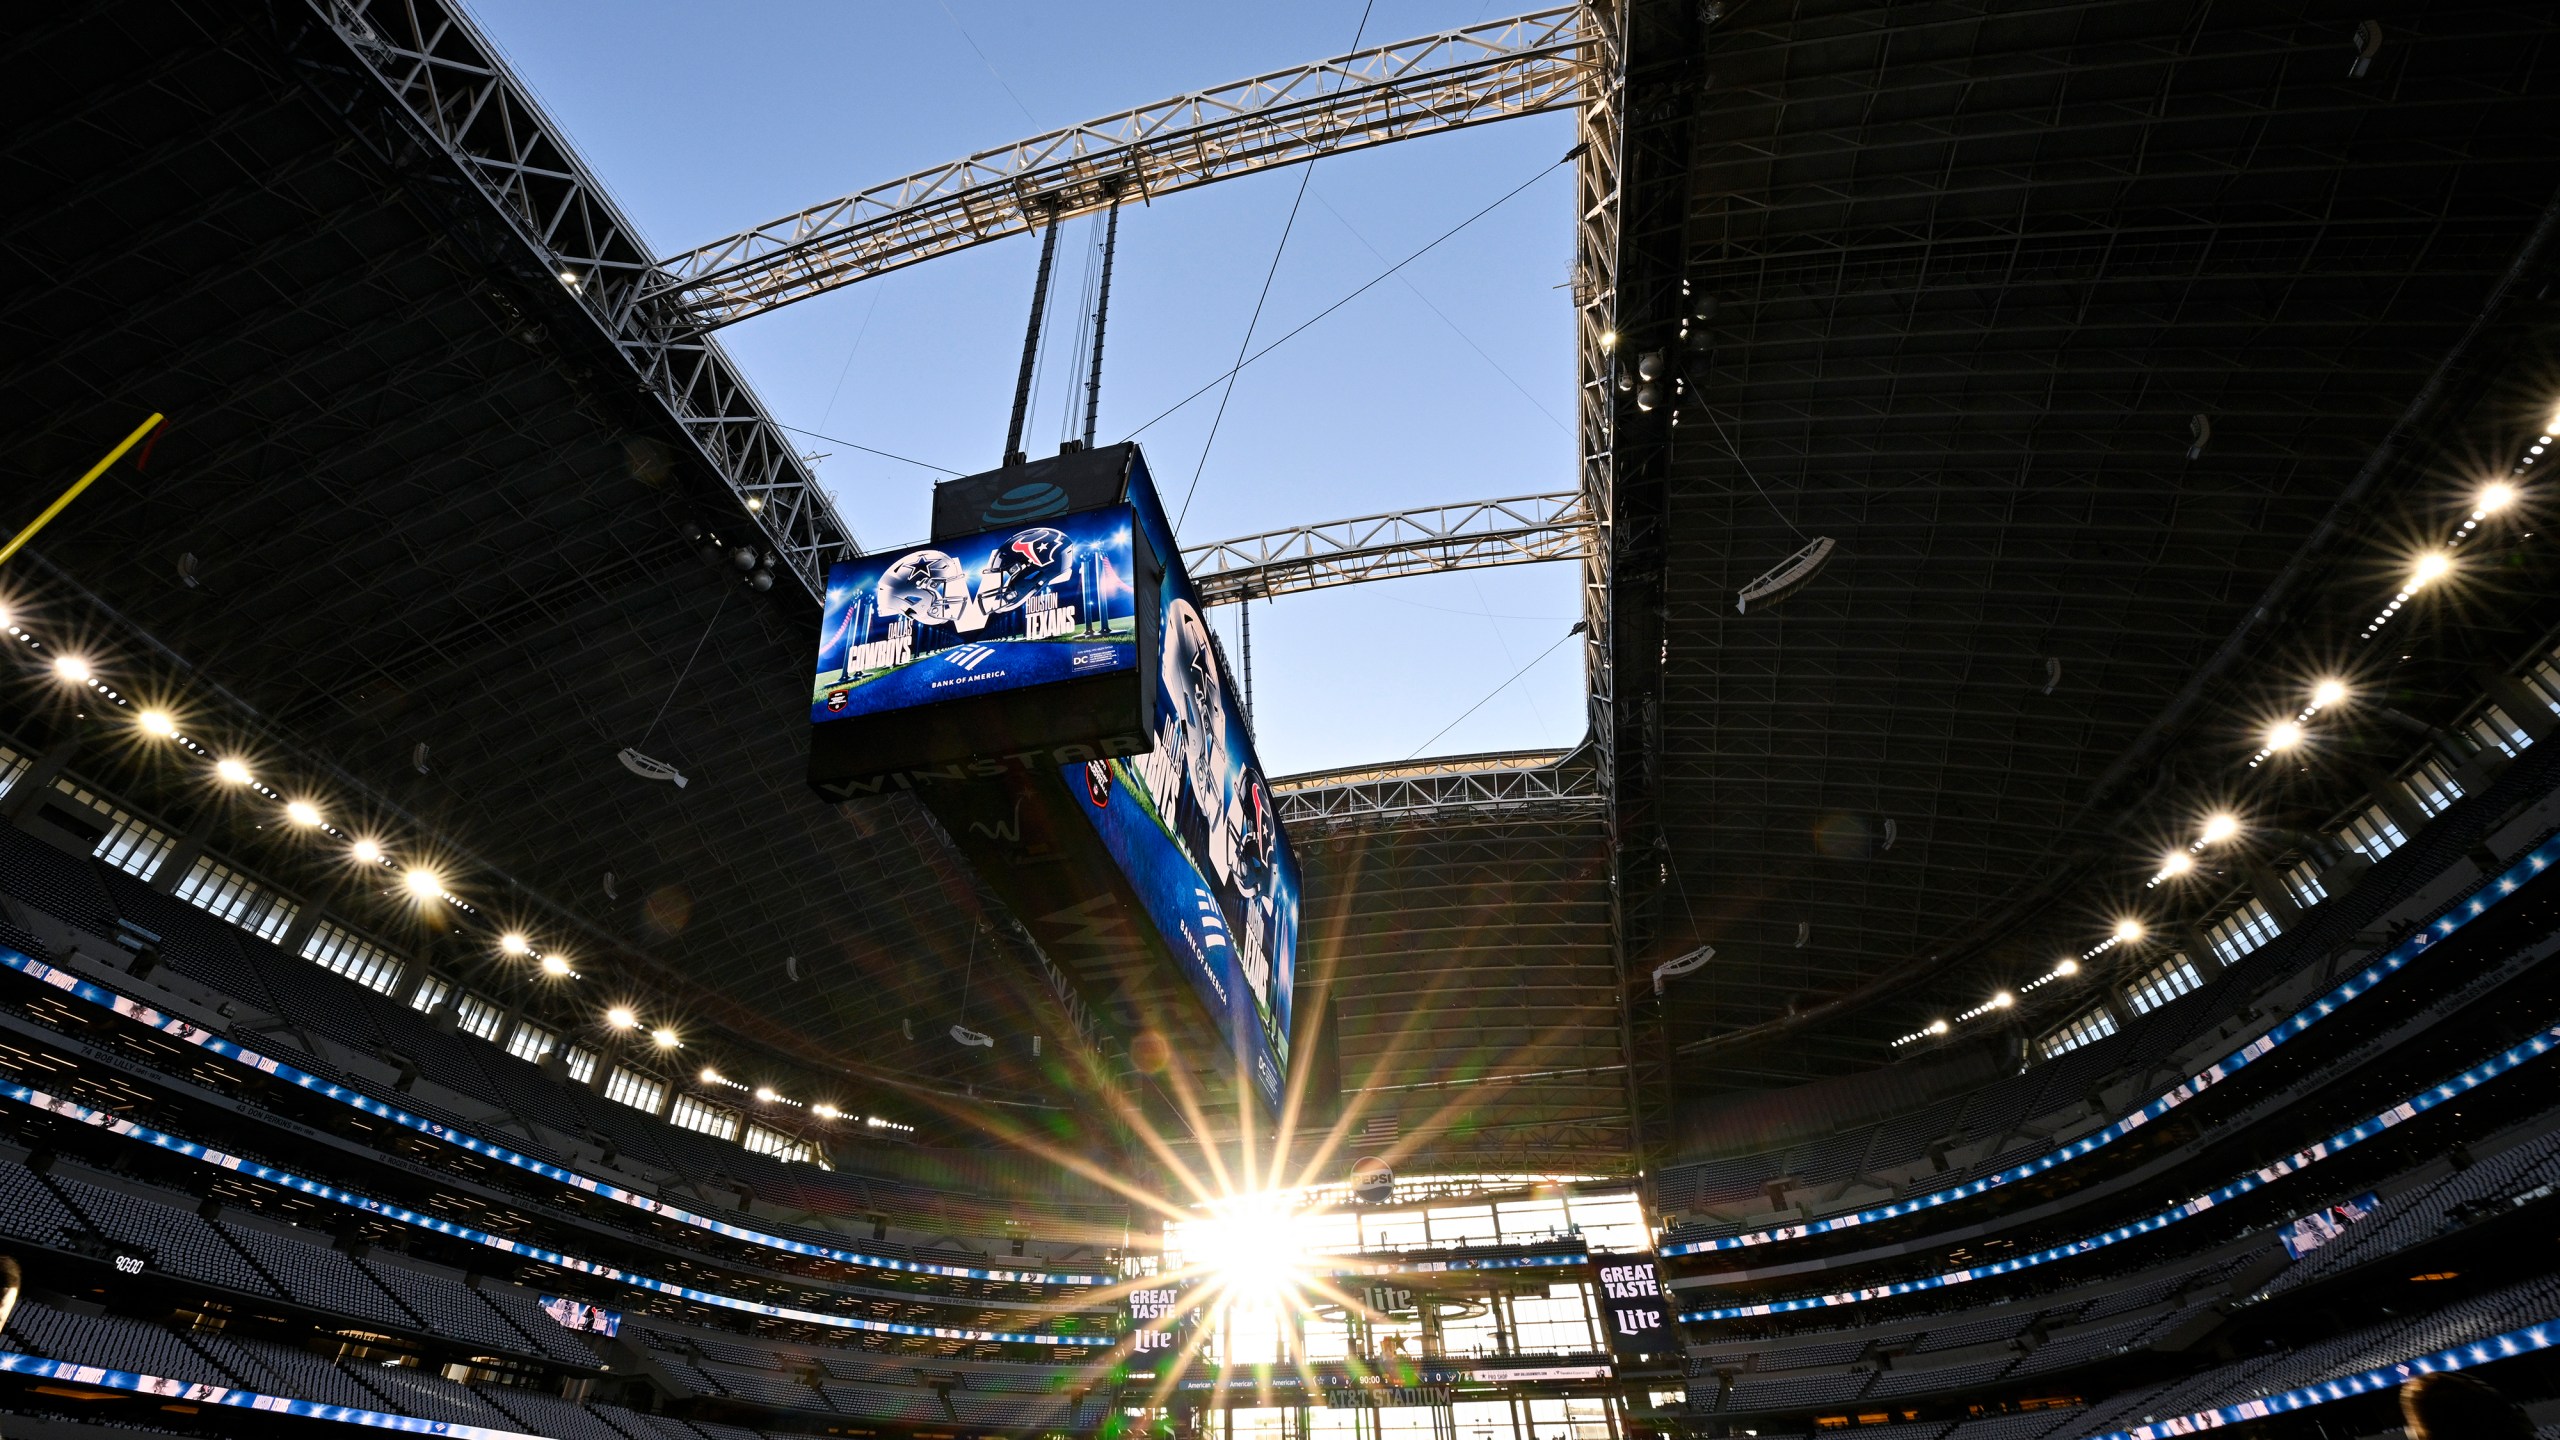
{"x":1023,"y":566}
{"x":1258,"y":834}
{"x":926,"y":586}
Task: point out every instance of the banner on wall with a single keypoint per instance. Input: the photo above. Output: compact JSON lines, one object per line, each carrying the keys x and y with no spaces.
{"x":1156,"y":1321}
{"x":1631,"y":1306}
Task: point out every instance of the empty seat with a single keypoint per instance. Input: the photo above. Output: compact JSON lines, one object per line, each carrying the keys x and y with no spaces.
{"x":548,"y":1415}
{"x":525,"y":1312}
{"x":192,"y":943}
{"x":29,"y":1211}
{"x":179,"y":1240}
{"x":272,"y":1369}
{"x":450,"y":1308}
{"x":319,"y":1276}
{"x":111,"y":1342}
{"x":61,"y":885}
{"x":407,"y":1391}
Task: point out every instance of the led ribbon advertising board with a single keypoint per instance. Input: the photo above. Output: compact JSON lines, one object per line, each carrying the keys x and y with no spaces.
{"x":1192,"y":827}
{"x":1008,"y":608}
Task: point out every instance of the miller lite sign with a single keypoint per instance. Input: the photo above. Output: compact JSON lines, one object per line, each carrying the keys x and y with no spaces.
{"x":1631,"y":1302}
{"x":1156,"y":1321}
{"x":1388,"y":1299}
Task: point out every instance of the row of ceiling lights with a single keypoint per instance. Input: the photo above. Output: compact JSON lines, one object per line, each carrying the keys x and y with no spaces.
{"x":2429,"y":569}
{"x":423,"y":882}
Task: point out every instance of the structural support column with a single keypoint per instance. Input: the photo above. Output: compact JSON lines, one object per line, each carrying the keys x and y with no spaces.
{"x":42,"y":770}
{"x":1635,"y":195}
{"x":1013,"y":454}
{"x":2271,"y":892}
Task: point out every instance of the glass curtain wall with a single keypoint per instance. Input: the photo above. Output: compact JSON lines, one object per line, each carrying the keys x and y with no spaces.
{"x":1500,"y":1313}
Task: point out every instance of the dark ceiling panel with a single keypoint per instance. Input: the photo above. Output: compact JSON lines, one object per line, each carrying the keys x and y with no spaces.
{"x":423,"y":510}
{"x":1974,"y":270}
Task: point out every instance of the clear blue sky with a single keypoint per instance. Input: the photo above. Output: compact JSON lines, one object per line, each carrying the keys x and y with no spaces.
{"x":1452,"y":382}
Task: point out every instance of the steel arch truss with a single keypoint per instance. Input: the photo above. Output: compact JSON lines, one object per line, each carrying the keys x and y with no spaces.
{"x":449,"y":83}
{"x":1515,"y":531}
{"x":1492,"y":71}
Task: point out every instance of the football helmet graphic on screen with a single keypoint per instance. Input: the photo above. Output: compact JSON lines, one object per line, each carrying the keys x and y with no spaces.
{"x":1199,"y":708}
{"x":1258,"y":834}
{"x":1031,"y":561}
{"x":926,"y":586}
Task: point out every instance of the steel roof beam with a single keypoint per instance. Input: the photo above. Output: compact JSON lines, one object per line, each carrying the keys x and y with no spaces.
{"x":1545,"y":783}
{"x":458,"y":98}
{"x":1492,"y":71}
{"x":1519,"y":530}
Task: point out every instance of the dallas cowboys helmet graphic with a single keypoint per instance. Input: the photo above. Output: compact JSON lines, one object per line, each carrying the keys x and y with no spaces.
{"x":1024,"y":565}
{"x":1199,"y":711}
{"x":926,"y":586}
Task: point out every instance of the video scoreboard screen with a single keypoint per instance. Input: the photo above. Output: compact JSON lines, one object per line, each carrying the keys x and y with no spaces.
{"x":1192,"y":825}
{"x":1043,"y":677}
{"x":1021,"y":606}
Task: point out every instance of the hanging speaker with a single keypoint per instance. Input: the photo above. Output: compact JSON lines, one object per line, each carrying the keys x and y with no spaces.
{"x":1792,"y":574}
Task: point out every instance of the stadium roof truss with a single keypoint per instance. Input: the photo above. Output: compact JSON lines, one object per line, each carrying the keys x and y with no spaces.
{"x":449,"y":81}
{"x":1489,"y":71}
{"x":1947,"y":282}
{"x":1520,"y":530}
{"x":436,"y":556}
{"x":1967,"y":288}
{"x":1544,"y":784}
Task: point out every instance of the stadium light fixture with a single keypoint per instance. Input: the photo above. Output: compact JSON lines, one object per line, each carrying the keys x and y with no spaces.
{"x":2284,"y":735}
{"x":557,"y":965}
{"x":2177,"y":862}
{"x":622,"y":1017}
{"x":157,"y":723}
{"x":709,"y":1076}
{"x":71,"y":668}
{"x":366,"y":852}
{"x":2129,"y":930}
{"x":2068,"y":966}
{"x":2003,"y":1000}
{"x":825,"y":1111}
{"x":767,"y":1094}
{"x":514,"y":943}
{"x":231,"y":771}
{"x":2493,"y":498}
{"x":2431,"y":568}
{"x":2328,"y":693}
{"x":302,"y":812}
{"x":2220,"y":826}
{"x":665,"y":1039}
{"x":1937,"y":1027}
{"x":423,"y":883}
